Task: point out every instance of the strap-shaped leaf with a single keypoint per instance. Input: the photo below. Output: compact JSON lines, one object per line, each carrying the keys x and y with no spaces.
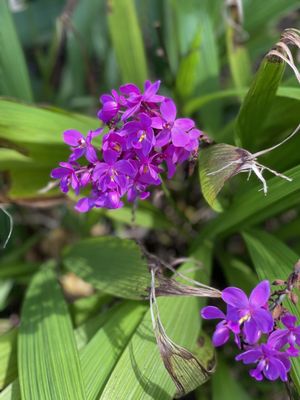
{"x":110,"y":264}
{"x":127,"y":41}
{"x":258,"y":102}
{"x":272,"y":260}
{"x":14,"y":78}
{"x":140,"y":373}
{"x":8,"y":358}
{"x":48,"y":362}
{"x":105,"y":348}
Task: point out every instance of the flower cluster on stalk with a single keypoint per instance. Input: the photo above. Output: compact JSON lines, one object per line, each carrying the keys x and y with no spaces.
{"x":265,"y":331}
{"x":141,"y":134}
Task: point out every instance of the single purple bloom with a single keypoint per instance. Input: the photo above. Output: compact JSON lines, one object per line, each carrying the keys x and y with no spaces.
{"x":112,"y":174}
{"x":252,"y":312}
{"x":68,"y":177}
{"x":111,"y":105}
{"x":181,"y":131}
{"x":290,"y":335}
{"x":114,"y":142}
{"x":223,"y":329}
{"x":272,"y":363}
{"x":148,"y":169}
{"x":140,"y":134}
{"x":136,"y":99}
{"x":80,"y":145}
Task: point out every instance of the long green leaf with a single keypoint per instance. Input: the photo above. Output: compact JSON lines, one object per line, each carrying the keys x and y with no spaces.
{"x":272,"y":260}
{"x":14,"y":79}
{"x":105,"y":348}
{"x":11,"y":392}
{"x":8,"y":358}
{"x":127,"y":41}
{"x":110,"y":264}
{"x":258,"y":102}
{"x":139,"y":373}
{"x":48,"y":361}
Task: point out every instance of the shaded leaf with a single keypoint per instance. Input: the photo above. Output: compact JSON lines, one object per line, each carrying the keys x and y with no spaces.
{"x":46,"y":343}
{"x":8,"y":358}
{"x":110,"y":264}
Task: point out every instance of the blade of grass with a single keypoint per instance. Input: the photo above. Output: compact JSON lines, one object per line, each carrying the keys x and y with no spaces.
{"x":14,"y":78}
{"x":48,"y":361}
{"x":127,"y":41}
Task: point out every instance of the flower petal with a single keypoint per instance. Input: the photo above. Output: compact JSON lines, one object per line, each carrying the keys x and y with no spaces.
{"x":260,"y":294}
{"x":73,"y":137}
{"x":263,"y":319}
{"x":220,"y":336}
{"x":251,"y":331}
{"x":184,"y":123}
{"x":235,"y":297}
{"x":211,"y":312}
{"x":289,"y":320}
{"x":168,"y":110}
{"x":249,"y":356}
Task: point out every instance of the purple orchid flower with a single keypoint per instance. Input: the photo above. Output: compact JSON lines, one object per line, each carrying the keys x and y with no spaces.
{"x":181,"y":131}
{"x":111,"y":105}
{"x":68,"y":177}
{"x":80,"y":145}
{"x":252,"y":312}
{"x":140,"y":134}
{"x":272,"y":363}
{"x":136,"y":99}
{"x":223,"y":329}
{"x":291,"y":335}
{"x":113,"y":175}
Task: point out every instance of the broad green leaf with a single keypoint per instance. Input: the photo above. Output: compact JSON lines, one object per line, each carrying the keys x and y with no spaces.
{"x":110,"y":264}
{"x":225,"y":386}
{"x":140,"y":373}
{"x":272,"y":260}
{"x":16,"y":269}
{"x":258,"y":102}
{"x":8,"y":358}
{"x":102,"y":352}
{"x":127,"y":41}
{"x":252,"y":207}
{"x":46,"y":343}
{"x":11,"y":392}
{"x":14,"y":79}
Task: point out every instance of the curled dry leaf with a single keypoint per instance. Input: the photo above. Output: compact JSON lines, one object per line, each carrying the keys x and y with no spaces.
{"x":185,"y":369}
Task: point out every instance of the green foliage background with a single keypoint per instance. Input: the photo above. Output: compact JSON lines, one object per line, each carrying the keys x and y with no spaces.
{"x":56,"y":58}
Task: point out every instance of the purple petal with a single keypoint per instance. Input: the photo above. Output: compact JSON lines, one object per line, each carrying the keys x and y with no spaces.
{"x":125,"y":167}
{"x":263,"y":319}
{"x":77,"y":153}
{"x":235,"y":297}
{"x":260,"y":294}
{"x":168,"y":110}
{"x":157,"y":123}
{"x":251,"y":331}
{"x":274,"y":369}
{"x":220,"y":336}
{"x":151,"y":90}
{"x":289,"y":320}
{"x":256,"y":374}
{"x":250,"y":356}
{"x":129,"y":88}
{"x":163,"y":138}
{"x":278,"y":339}
{"x":84,"y":204}
{"x":73,"y":137}
{"x":58,"y":173}
{"x":179,"y":138}
{"x":211,"y":312}
{"x":184,"y":124}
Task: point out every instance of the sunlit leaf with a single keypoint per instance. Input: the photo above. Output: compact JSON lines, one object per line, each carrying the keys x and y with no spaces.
{"x":8,"y":358}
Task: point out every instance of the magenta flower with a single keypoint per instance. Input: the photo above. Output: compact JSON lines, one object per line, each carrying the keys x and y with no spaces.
{"x":181,"y":131}
{"x":223,"y":329}
{"x":291,"y":335}
{"x":80,"y":145}
{"x":68,"y":177}
{"x":252,"y":312}
{"x":130,"y":158}
{"x":271,"y":363}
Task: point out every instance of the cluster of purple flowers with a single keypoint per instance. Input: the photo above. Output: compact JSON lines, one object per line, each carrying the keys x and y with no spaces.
{"x":140,"y":134}
{"x":256,"y":331}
